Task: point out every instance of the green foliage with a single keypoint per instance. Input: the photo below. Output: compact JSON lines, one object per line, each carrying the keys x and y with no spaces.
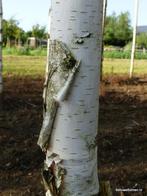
{"x":128,"y":46}
{"x":24,"y":51}
{"x":39,"y":31}
{"x":38,"y":52}
{"x":142,"y":40}
{"x":117,"y":54}
{"x":12,"y":33}
{"x":122,"y":67}
{"x":140,"y":55}
{"x":126,"y":54}
{"x":16,"y":51}
{"x":5,"y":32}
{"x":117,"y":30}
{"x":15,"y":65}
{"x":34,"y":66}
{"x":109,"y":31}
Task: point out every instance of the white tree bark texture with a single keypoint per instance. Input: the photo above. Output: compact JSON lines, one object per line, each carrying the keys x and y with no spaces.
{"x":69,"y":130}
{"x":1,"y":18}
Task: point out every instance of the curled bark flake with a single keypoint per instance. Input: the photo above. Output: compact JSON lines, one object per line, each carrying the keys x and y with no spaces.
{"x":47,"y":126}
{"x":53,"y":175}
{"x":81,"y":39}
{"x":86,"y":35}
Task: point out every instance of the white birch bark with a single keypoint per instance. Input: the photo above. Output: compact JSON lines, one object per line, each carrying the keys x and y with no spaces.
{"x":71,"y":156}
{"x":1,"y":18}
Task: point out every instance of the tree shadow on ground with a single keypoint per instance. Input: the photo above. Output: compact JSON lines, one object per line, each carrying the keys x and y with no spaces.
{"x":122,"y":136}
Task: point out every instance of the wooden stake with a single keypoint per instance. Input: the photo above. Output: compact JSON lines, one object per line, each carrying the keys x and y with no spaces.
{"x":134,"y":38}
{"x":103,"y":27}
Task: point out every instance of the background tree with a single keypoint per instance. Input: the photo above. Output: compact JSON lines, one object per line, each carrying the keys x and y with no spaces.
{"x":5,"y":32}
{"x":123,"y":29}
{"x":20,"y":36}
{"x":12,"y":26}
{"x":110,"y":28}
{"x":118,"y":31}
{"x":39,"y":31}
{"x":12,"y":33}
{"x":142,"y":40}
{"x":29,"y":34}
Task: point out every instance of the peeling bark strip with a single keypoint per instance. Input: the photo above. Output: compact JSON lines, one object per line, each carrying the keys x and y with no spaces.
{"x":53,"y":175}
{"x":62,"y":69}
{"x":1,"y":19}
{"x":70,"y":122}
{"x":81,"y":39}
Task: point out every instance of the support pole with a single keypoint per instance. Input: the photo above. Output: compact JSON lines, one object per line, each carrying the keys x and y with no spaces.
{"x":134,"y":38}
{"x":1,"y":81}
{"x":103,"y":28}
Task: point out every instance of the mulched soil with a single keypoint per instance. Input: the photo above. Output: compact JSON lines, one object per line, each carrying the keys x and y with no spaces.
{"x":122,"y":136}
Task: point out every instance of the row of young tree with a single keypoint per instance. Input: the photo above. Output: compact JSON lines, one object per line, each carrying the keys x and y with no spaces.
{"x":118,"y":32}
{"x":15,"y":35}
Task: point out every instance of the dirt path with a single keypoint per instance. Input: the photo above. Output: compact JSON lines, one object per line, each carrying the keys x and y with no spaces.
{"x":122,"y":135}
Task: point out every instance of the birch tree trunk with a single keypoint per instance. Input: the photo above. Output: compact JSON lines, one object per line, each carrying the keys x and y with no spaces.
{"x":1,"y":18}
{"x":69,"y":130}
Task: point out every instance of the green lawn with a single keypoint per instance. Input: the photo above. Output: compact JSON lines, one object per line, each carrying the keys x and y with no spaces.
{"x":35,"y":66}
{"x":121,"y":66}
{"x":24,"y":65}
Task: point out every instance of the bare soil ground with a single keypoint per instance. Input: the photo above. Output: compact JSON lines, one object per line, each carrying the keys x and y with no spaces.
{"x":122,"y":135}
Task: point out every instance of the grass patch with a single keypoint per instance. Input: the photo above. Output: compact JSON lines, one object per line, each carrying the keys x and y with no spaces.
{"x":121,"y":67}
{"x":24,"y":65}
{"x":24,"y":51}
{"x":124,"y":55}
{"x":113,"y":54}
{"x":35,"y":66}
